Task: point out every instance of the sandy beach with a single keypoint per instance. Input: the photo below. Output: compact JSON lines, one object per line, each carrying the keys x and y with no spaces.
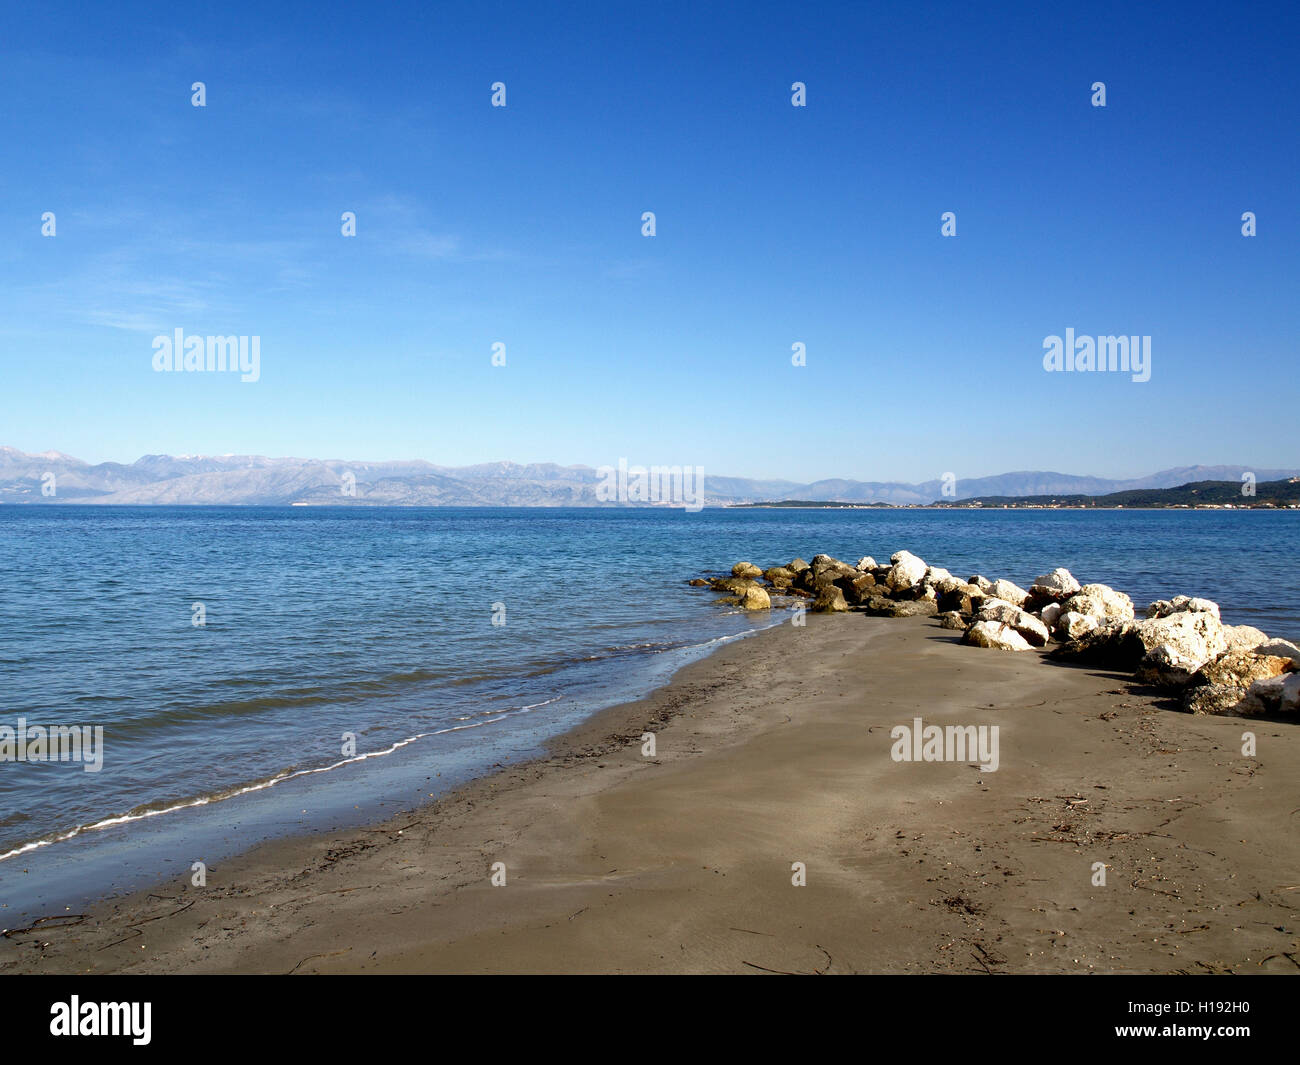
{"x":776,"y":750}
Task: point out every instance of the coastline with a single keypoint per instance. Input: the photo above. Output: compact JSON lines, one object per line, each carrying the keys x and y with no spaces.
{"x":775,"y":749}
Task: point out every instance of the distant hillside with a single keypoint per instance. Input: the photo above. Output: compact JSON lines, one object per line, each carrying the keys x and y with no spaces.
{"x":258,"y":480}
{"x":1281,"y":493}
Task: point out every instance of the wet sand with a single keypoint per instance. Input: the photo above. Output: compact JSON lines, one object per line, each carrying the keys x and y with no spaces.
{"x":776,"y":750}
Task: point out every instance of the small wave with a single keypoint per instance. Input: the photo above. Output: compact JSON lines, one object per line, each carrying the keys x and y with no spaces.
{"x":141,"y":813}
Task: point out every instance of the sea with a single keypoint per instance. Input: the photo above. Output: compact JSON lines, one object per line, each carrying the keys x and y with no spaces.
{"x":266,"y":671}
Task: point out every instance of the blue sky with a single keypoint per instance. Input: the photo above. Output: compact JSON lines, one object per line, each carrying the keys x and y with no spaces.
{"x":775,"y":225}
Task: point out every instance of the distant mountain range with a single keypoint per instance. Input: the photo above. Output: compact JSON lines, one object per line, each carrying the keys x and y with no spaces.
{"x":256,"y":480}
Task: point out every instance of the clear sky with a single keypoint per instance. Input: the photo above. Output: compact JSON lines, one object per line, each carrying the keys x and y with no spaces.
{"x":775,"y":225}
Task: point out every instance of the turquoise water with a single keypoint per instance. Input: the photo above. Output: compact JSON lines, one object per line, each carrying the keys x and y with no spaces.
{"x":379,"y":623}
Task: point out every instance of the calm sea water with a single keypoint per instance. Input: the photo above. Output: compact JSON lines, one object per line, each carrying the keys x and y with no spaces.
{"x":379,"y":623}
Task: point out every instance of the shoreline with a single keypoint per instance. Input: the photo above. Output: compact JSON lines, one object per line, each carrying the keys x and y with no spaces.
{"x":265,"y":808}
{"x":775,"y":749}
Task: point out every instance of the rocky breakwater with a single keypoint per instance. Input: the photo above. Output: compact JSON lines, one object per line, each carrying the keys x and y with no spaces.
{"x":1180,"y":646}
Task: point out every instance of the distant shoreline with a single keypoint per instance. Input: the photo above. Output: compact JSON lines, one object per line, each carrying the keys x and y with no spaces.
{"x":990,"y":506}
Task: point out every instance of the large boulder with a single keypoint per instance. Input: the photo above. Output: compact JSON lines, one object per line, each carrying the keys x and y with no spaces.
{"x":935,"y":574}
{"x":865,"y":563}
{"x":746,"y":569}
{"x":1071,"y":625}
{"x":1277,"y":695}
{"x":995,"y":635}
{"x":1035,"y":601}
{"x":796,"y":565}
{"x":962,"y":597}
{"x":1164,"y":667}
{"x":1163,"y":608}
{"x":912,"y":608}
{"x":1197,"y":637}
{"x":1281,"y":648}
{"x":1100,"y":601}
{"x":830,"y":600}
{"x":1051,"y":613}
{"x":951,"y":620}
{"x":755,"y":598}
{"x":1108,"y":642}
{"x":1011,"y":593}
{"x":1028,"y":626}
{"x":1241,"y":668}
{"x":883,"y":607}
{"x":859,"y":589}
{"x":982,"y":583}
{"x":781,"y":576}
{"x":1243,"y":637}
{"x":1212,"y":699}
{"x":1219,"y":686}
{"x":809,"y":579}
{"x":949,"y":584}
{"x":734,"y":585}
{"x":1057,"y":586}
{"x":833,"y":575}
{"x":906,"y":570}
{"x":1165,"y":651}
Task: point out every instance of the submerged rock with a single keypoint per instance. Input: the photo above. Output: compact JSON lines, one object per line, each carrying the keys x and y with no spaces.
{"x":734,"y":585}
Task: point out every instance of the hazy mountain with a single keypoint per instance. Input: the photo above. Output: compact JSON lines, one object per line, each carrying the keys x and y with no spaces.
{"x":256,"y":479}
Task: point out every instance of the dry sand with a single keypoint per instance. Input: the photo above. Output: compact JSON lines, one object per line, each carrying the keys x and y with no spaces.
{"x":773,"y":751}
